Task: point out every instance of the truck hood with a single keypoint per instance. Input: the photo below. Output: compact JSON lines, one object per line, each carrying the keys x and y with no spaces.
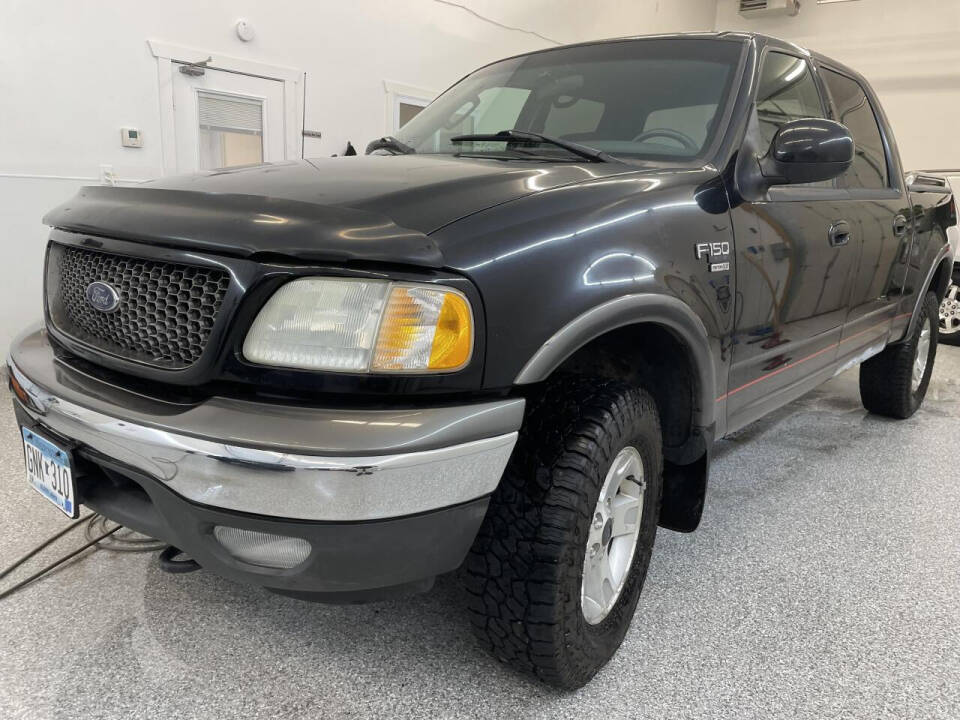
{"x":380,"y":208}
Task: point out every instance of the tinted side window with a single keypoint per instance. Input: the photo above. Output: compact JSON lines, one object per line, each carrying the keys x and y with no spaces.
{"x":869,"y":169}
{"x":787,"y":92}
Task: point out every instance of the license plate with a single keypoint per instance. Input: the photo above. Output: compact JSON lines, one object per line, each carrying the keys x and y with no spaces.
{"x":49,"y":472}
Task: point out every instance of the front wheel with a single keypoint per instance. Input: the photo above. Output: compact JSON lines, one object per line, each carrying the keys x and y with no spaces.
{"x":895,"y":382}
{"x":557,"y":568}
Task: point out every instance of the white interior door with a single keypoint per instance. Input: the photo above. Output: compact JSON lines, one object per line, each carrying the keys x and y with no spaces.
{"x":224,"y":119}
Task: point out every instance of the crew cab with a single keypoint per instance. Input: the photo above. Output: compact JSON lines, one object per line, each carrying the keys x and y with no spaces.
{"x":502,"y":342}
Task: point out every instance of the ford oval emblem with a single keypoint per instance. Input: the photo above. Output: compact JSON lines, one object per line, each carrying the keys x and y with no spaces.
{"x":103,"y":296}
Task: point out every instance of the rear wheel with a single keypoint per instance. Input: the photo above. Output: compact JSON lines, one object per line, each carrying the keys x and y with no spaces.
{"x":557,"y":568}
{"x":895,"y":382}
{"x":950,"y":312}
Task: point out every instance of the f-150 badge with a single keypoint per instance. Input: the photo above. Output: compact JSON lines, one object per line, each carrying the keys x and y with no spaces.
{"x":714,"y":250}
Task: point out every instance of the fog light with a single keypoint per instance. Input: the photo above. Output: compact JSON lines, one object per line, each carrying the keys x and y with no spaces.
{"x":263,"y":549}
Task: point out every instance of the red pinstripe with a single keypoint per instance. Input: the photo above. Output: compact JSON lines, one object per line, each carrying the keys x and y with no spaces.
{"x":808,"y":357}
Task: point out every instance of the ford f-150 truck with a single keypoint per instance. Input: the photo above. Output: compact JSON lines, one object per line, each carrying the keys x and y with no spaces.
{"x":503,"y":341}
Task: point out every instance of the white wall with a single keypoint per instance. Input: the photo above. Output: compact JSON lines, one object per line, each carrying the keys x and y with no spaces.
{"x":73,"y":73}
{"x":909,"y":50}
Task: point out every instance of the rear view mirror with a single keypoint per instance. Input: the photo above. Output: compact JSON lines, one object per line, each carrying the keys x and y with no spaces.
{"x":807,"y":150}
{"x":462,"y":112}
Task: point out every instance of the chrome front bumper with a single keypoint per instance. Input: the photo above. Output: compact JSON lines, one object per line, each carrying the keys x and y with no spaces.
{"x":276,"y":460}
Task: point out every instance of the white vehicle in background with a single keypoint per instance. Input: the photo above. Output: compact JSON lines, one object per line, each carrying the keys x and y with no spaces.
{"x":950,"y":307}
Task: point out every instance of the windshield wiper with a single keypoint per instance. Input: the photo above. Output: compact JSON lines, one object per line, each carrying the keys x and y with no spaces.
{"x":531,"y":137}
{"x":390,"y":143}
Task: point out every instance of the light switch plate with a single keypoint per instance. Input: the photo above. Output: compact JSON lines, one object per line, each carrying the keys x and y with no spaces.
{"x":107,"y":176}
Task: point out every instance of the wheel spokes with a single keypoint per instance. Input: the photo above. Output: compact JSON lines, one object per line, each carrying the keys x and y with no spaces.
{"x":607,"y":585}
{"x":626,"y":514}
{"x":920,"y":358}
{"x":599,"y":589}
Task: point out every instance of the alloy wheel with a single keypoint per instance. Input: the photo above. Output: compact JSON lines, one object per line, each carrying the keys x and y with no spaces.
{"x":612,"y":540}
{"x":950,"y":311}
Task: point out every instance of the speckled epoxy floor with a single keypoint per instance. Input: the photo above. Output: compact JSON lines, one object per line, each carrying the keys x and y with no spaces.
{"x":824,"y":582}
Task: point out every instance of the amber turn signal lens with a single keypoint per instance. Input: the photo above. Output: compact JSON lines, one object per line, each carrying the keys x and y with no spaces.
{"x":19,"y":391}
{"x":424,"y":328}
{"x":453,"y":338}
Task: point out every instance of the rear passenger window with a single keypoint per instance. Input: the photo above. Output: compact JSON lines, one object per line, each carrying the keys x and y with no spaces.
{"x":869,"y":169}
{"x":787,"y":92}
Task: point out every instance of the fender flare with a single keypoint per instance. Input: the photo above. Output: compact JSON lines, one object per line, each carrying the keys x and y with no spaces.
{"x":620,"y":312}
{"x":943,"y":254}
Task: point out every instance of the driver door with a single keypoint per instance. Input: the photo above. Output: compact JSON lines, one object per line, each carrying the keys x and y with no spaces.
{"x":795,"y":254}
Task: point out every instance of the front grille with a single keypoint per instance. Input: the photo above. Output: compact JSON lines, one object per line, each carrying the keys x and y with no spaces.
{"x":165,"y":314}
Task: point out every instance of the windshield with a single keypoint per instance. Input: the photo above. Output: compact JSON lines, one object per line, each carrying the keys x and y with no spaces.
{"x":653,"y":99}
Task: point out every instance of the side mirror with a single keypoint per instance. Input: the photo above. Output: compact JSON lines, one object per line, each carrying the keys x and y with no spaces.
{"x":807,"y":150}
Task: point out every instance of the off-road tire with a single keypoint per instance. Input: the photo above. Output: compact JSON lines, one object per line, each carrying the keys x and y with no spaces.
{"x":952,"y":338}
{"x":885,"y":379}
{"x":523,"y":574}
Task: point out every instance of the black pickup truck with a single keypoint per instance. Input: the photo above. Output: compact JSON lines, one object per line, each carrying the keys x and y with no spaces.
{"x":504,"y":341}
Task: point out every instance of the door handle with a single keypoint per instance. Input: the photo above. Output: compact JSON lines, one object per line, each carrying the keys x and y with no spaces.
{"x":900,"y":226}
{"x":839,"y":233}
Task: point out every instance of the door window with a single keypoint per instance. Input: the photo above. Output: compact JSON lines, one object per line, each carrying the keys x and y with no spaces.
{"x":787,"y":92}
{"x":231,"y":130}
{"x":869,"y":169}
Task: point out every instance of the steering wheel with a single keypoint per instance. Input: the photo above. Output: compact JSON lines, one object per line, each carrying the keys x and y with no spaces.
{"x":685,"y":140}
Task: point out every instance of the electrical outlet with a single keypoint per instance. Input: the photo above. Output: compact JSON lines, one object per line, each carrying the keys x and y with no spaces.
{"x":107,"y":176}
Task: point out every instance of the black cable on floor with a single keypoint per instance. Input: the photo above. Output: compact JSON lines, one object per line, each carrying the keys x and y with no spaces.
{"x":125,"y":541}
{"x":96,"y":533}
{"x":56,"y":563}
{"x":46,"y":543}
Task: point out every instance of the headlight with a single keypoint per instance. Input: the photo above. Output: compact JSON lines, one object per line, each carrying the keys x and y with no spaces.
{"x":349,"y":325}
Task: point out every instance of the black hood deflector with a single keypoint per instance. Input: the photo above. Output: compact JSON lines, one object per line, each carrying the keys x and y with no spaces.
{"x":242,"y":226}
{"x":367,"y":208}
